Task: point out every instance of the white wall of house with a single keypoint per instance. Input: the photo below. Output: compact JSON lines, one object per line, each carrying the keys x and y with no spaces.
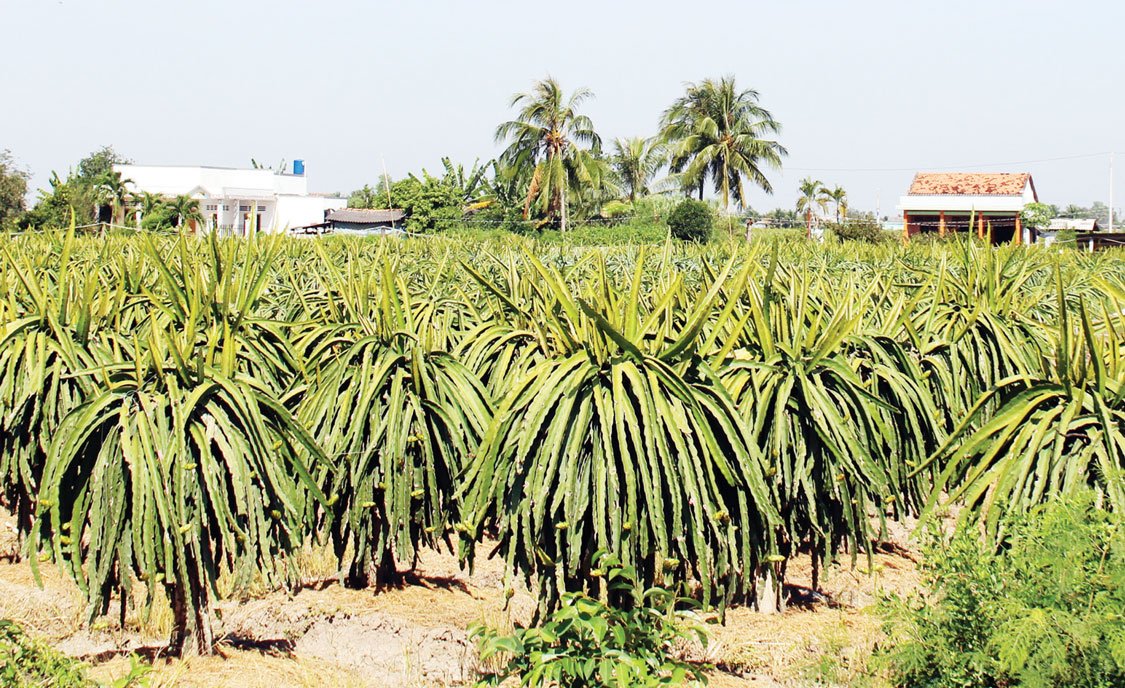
{"x":299,"y":211}
{"x":235,"y":201}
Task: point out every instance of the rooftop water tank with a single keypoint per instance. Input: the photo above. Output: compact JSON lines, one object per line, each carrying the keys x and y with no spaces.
{"x":299,"y":167}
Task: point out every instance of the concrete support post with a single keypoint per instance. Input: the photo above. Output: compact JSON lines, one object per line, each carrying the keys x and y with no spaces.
{"x":905,"y":226}
{"x":1017,"y":236}
{"x":941,"y":225}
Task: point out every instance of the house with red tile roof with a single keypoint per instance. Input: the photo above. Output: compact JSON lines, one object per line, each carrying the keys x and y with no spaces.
{"x":988,"y":204}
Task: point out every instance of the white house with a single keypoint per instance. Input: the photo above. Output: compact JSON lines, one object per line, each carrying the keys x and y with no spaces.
{"x":943,"y":203}
{"x":233,"y":201}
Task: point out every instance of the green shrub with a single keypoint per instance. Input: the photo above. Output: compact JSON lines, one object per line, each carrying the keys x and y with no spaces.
{"x":616,"y":211}
{"x":162,"y":217}
{"x":1066,"y":238}
{"x":587,"y":643}
{"x":26,"y":662}
{"x":497,"y":216}
{"x":29,"y":663}
{"x":641,"y":230}
{"x":857,"y":230}
{"x":691,"y":221}
{"x":1046,"y":610}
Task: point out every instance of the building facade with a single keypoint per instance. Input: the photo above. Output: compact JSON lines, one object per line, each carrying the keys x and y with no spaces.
{"x":232,"y":201}
{"x":988,"y":204}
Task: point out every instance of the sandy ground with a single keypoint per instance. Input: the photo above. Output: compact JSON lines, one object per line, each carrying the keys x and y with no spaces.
{"x":326,"y":635}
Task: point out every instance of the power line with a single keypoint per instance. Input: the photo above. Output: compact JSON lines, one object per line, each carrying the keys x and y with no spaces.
{"x":947,"y":167}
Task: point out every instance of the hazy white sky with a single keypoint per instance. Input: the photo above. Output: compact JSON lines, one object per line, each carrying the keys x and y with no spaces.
{"x":896,"y":86}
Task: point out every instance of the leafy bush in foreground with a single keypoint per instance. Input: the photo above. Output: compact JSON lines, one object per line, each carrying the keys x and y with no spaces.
{"x":26,"y":662}
{"x":1044,"y":611}
{"x":587,"y":643}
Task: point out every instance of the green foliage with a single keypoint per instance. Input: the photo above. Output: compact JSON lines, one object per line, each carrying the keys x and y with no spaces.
{"x":1037,"y":215}
{"x":431,"y":205}
{"x":691,"y":220}
{"x":554,"y":150}
{"x":640,"y":230}
{"x":814,"y":195}
{"x":81,"y":195}
{"x":162,"y":217}
{"x":1029,"y":438}
{"x":402,"y":414}
{"x":29,"y":663}
{"x":700,"y":410}
{"x":13,"y":187}
{"x":857,"y":230}
{"x":587,"y":643}
{"x":636,"y":161}
{"x":616,"y":210}
{"x":1043,"y":611}
{"x":716,"y":131}
{"x":498,"y":215}
{"x":99,"y":165}
{"x":1066,"y":239}
{"x":181,"y":458}
{"x":629,"y":444}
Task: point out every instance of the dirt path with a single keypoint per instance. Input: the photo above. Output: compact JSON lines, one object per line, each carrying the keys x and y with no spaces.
{"x":326,"y":635}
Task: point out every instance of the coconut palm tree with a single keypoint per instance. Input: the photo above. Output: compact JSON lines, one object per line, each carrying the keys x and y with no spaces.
{"x":840,"y":198}
{"x":716,"y":131}
{"x":813,"y":195}
{"x":636,"y":160}
{"x":554,"y":146}
{"x":186,"y":209}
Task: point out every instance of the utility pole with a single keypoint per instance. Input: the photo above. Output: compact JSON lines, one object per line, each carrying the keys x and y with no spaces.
{"x":387,"y":184}
{"x":386,"y":181}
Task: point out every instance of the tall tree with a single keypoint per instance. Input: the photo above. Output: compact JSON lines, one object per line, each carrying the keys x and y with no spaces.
{"x":636,"y":160}
{"x":13,"y":187}
{"x":718,"y":132}
{"x":95,"y":166}
{"x":813,"y":195}
{"x":363,"y":198}
{"x":553,"y":145}
{"x":840,"y":197}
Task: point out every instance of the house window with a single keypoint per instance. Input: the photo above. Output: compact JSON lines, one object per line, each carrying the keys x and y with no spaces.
{"x":261,"y":208}
{"x":243,"y":208}
{"x":226,"y":207}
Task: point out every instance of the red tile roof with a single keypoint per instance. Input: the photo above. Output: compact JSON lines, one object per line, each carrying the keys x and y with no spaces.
{"x":986,"y":184}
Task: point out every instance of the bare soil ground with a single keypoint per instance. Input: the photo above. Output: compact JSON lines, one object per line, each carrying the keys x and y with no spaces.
{"x":326,"y":635}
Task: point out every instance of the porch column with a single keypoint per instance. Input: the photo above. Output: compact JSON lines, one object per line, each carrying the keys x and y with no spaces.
{"x":980,"y":226}
{"x":1017,"y":237}
{"x":905,"y":226}
{"x":941,"y":225}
